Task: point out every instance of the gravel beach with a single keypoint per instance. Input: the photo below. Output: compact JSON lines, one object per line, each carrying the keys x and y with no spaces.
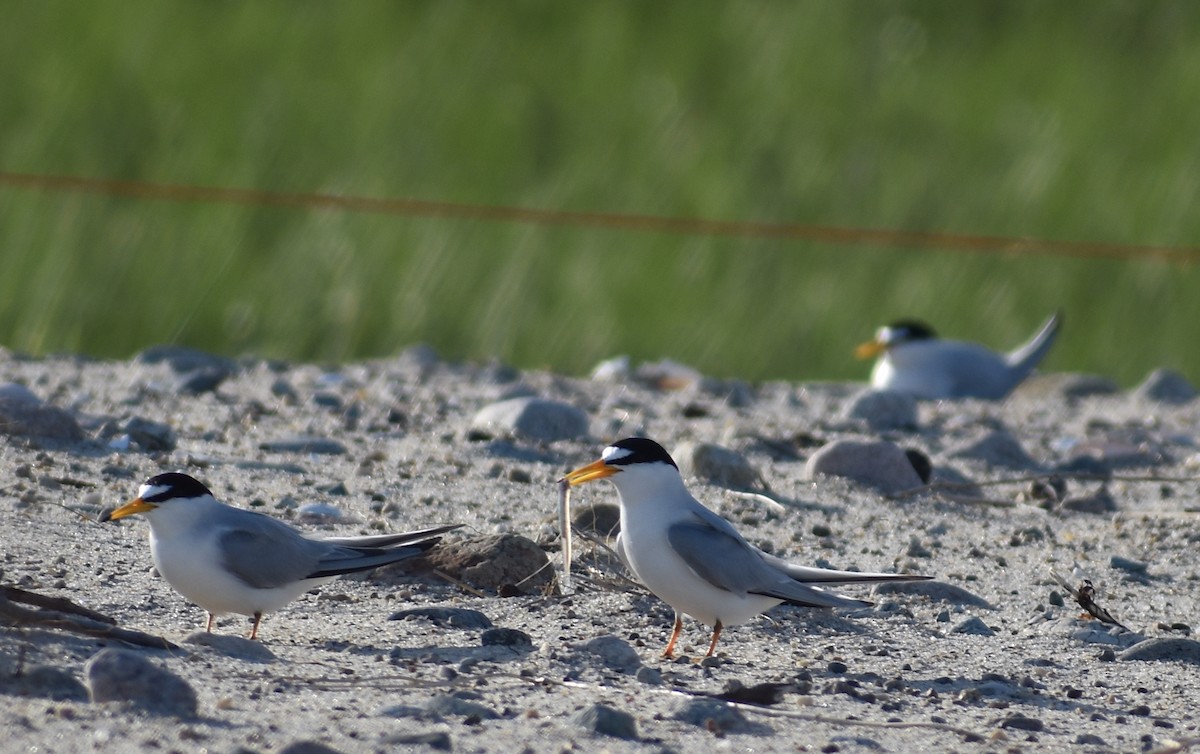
{"x":475,"y":648}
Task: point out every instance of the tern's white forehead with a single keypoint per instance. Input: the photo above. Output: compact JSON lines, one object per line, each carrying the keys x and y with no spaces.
{"x":150,"y":490}
{"x":612,"y":453}
{"x":887,"y":335}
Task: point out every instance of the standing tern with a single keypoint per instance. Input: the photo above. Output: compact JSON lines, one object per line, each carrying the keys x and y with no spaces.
{"x":693,"y":559}
{"x":230,"y":560}
{"x":913,"y":360}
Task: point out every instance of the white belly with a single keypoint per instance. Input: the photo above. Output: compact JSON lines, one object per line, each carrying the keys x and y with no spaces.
{"x":195,"y":572}
{"x":669,"y":577}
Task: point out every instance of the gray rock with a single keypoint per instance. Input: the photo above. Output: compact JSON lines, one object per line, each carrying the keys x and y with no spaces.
{"x":1136,"y":567}
{"x":44,"y":681}
{"x":183,"y":360}
{"x":494,"y":561}
{"x":1164,"y":650}
{"x":935,"y":591}
{"x":715,"y":464}
{"x":454,"y":704}
{"x":21,"y":418}
{"x":649,"y":676}
{"x":600,"y":518}
{"x":203,"y":380}
{"x":304,"y":444}
{"x":17,"y":392}
{"x":281,"y":388}
{"x":535,"y":419}
{"x":232,"y":646}
{"x":443,"y":617}
{"x":714,"y":715}
{"x":1101,"y":501}
{"x":880,"y":464}
{"x":308,"y":747}
{"x":1165,"y":386}
{"x":119,"y":675}
{"x":614,"y":652}
{"x":149,"y":435}
{"x":434,"y":739}
{"x":1021,"y":722}
{"x":506,"y":637}
{"x":996,"y":448}
{"x":973,"y":626}
{"x":882,"y":410}
{"x":606,"y":721}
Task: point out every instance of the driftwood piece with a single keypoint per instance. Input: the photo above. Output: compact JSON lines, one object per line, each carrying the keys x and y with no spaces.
{"x":65,"y":615}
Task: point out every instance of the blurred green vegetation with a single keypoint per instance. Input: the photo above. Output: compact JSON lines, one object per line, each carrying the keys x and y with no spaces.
{"x":1071,"y":120}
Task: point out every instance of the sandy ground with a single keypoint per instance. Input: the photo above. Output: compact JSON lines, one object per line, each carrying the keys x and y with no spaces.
{"x":995,"y":659}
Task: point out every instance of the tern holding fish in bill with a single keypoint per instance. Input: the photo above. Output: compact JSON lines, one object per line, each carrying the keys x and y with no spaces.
{"x":693,"y":559}
{"x":230,"y":560}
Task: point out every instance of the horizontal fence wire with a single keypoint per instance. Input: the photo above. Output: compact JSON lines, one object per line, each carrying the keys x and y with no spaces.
{"x":421,"y":208}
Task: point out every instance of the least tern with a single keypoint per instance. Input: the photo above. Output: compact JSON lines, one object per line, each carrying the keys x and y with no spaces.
{"x":230,"y":560}
{"x":693,"y":559}
{"x":915,"y":361}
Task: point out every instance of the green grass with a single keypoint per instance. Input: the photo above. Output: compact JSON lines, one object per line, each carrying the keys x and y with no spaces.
{"x":1073,"y":120}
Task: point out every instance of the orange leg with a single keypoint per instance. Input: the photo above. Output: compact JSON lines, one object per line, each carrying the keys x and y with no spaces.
{"x":670,"y":650}
{"x":254,"y":631}
{"x":208,"y":626}
{"x":716,"y":635}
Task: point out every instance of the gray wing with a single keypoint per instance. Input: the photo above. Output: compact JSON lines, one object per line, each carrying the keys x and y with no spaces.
{"x":266,"y":553}
{"x":720,"y":556}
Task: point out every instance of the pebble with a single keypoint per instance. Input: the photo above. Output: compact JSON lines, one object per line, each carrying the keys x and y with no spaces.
{"x":506,"y":637}
{"x":304,"y":444}
{"x":536,"y":419}
{"x":973,"y":626}
{"x":649,"y":676}
{"x":446,"y":617}
{"x":1169,"y":649}
{"x":308,"y":747}
{"x":603,"y":720}
{"x":120,"y":675}
{"x":616,"y":369}
{"x":936,"y":591}
{"x":1128,"y":565}
{"x":434,"y":739}
{"x":494,"y":561}
{"x":600,"y":518}
{"x":203,"y":380}
{"x":47,"y":682}
{"x":1100,"y":502}
{"x":882,"y":410}
{"x":183,"y":360}
{"x":1021,"y":722}
{"x":997,"y":448}
{"x":232,"y":646}
{"x":455,"y":704}
{"x":21,"y":418}
{"x":1165,"y":386}
{"x":714,"y":715}
{"x":319,"y":513}
{"x":715,"y":464}
{"x":614,"y":652}
{"x":14,"y":391}
{"x":880,"y":464}
{"x":149,"y":435}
